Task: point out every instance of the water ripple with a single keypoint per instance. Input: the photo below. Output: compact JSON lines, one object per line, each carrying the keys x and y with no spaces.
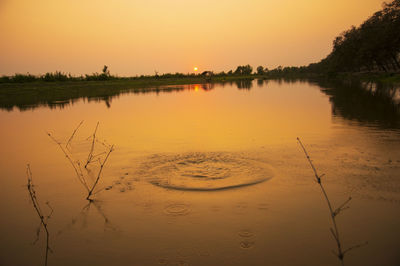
{"x":204,"y":171}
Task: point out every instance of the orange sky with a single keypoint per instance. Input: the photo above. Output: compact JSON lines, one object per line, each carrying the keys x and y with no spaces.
{"x":142,"y":36}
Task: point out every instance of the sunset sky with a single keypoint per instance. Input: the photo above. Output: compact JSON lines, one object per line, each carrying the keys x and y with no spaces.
{"x":136,"y":37}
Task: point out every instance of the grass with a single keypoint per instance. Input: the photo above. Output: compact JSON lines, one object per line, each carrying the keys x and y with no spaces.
{"x":164,"y":79}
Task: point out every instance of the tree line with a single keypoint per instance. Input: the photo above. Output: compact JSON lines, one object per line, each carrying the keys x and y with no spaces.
{"x":374,"y":46}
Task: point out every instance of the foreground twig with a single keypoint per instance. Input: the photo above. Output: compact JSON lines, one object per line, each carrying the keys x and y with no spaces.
{"x":73,"y":134}
{"x":36,"y":205}
{"x":90,"y":159}
{"x":333,"y":212}
{"x":78,"y":172}
{"x":90,"y":156}
{"x":99,"y":173}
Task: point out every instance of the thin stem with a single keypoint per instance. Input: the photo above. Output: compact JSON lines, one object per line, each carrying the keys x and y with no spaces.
{"x":79,"y":175}
{"x":90,"y":155}
{"x":36,"y":206}
{"x":73,"y":134}
{"x":99,"y":173}
{"x":335,"y":230}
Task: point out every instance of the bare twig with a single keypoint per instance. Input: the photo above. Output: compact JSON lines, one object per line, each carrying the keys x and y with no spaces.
{"x":355,"y":247}
{"x":333,"y":212}
{"x":36,"y":206}
{"x":101,"y":153}
{"x":92,"y":158}
{"x":99,"y":173}
{"x":90,"y":155}
{"x":104,"y":143}
{"x":342,"y":207}
{"x":78,"y":173}
{"x":97,"y":155}
{"x":73,"y":134}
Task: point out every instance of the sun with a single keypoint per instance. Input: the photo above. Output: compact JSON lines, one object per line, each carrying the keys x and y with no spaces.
{"x":195,"y":69}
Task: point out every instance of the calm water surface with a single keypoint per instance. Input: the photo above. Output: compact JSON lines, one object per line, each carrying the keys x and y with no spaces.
{"x":207,"y":175}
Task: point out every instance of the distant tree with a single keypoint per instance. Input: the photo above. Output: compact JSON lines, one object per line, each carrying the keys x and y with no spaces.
{"x":238,"y":70}
{"x":222,"y":73}
{"x":243,"y":70}
{"x":260,"y":70}
{"x":106,"y":72}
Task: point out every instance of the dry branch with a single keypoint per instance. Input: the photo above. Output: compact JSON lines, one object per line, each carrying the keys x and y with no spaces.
{"x":99,"y":173}
{"x":90,"y":156}
{"x":333,"y":212}
{"x":43,"y":219}
{"x":78,"y":172}
{"x":90,"y":159}
{"x":73,"y":134}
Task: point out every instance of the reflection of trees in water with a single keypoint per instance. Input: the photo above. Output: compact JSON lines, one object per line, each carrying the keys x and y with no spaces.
{"x":244,"y":84}
{"x":262,"y":82}
{"x":354,"y":100}
{"x":69,"y":96}
{"x":366,"y":102}
{"x":61,"y":98}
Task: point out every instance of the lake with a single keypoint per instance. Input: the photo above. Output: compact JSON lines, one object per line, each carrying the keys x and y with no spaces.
{"x":205,"y":174}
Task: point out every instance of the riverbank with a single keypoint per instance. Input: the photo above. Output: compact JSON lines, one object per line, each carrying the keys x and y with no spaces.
{"x":28,"y":94}
{"x":378,"y":77}
{"x":374,"y":77}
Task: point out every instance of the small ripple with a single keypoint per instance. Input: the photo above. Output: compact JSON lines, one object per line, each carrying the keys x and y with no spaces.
{"x":163,"y":261}
{"x":247,"y":244}
{"x":177,"y":209}
{"x":263,"y":206}
{"x":246,"y":233}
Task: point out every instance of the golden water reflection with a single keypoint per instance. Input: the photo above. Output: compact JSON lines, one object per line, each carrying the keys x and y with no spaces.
{"x":196,"y":140}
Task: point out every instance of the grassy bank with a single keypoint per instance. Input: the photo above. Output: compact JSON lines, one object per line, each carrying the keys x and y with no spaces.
{"x":380,"y":77}
{"x":32,"y":94}
{"x":27,"y":95}
{"x":374,"y":77}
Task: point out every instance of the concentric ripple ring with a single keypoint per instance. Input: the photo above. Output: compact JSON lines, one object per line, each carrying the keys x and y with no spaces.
{"x":204,"y":171}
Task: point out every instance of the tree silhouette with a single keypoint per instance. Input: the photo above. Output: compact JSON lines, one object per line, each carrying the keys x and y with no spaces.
{"x":260,"y":70}
{"x":106,"y":72}
{"x":243,"y":70}
{"x":373,"y":46}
